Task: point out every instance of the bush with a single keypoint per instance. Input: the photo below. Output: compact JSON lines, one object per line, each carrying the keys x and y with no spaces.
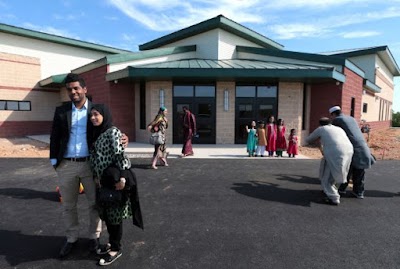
{"x":396,"y":119}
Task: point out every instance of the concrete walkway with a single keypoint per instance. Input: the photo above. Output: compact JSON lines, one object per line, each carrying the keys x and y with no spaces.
{"x":202,"y":151}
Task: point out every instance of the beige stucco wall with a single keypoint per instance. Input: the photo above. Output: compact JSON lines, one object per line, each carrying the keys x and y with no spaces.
{"x":380,"y":104}
{"x":54,"y":58}
{"x":225,"y":120}
{"x":290,"y":105}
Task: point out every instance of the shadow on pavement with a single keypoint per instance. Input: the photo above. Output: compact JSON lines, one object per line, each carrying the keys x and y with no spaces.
{"x":272,"y":192}
{"x":298,"y":179}
{"x":21,"y":248}
{"x":23,"y":193}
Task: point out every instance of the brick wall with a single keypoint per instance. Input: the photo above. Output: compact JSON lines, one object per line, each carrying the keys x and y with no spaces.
{"x":19,"y":76}
{"x":119,"y":97}
{"x":19,"y":71}
{"x":323,"y":96}
{"x":352,"y":88}
{"x":24,"y":128}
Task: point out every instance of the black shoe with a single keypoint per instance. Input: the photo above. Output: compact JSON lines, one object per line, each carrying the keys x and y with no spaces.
{"x":93,"y":245}
{"x":109,"y":259}
{"x":103,"y":249}
{"x":66,"y":249}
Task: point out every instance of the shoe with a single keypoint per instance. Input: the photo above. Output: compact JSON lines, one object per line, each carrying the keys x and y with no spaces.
{"x":66,"y":249}
{"x":103,"y":249}
{"x":341,"y":193}
{"x":330,"y":202}
{"x":154,"y":167}
{"x":110,"y":259}
{"x":94,"y":245}
{"x":358,"y":196}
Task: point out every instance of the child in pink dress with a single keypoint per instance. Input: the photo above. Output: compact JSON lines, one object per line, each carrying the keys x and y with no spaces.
{"x":293,"y":148}
{"x":280,"y":138}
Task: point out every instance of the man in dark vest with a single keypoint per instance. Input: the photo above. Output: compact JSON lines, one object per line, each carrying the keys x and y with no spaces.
{"x":362,"y":158}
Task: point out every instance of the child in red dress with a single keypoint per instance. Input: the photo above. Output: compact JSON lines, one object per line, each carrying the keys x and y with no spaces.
{"x":293,"y":148}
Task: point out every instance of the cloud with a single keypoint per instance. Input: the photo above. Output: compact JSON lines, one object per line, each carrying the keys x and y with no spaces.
{"x":281,"y":19}
{"x":50,"y":30}
{"x":359,"y":34}
{"x":70,"y":17}
{"x":161,"y":15}
{"x":322,"y":26}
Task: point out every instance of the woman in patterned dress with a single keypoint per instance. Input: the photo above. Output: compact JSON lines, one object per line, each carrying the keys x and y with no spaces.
{"x":111,"y":169}
{"x":160,"y":123}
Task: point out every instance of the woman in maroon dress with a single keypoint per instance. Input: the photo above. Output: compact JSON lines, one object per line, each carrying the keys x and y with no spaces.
{"x":189,"y":130}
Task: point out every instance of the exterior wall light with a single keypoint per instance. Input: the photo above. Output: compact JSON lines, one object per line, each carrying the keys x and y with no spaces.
{"x":162,"y":97}
{"x":226,"y":100}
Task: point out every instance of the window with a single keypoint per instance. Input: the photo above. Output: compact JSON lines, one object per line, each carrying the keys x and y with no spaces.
{"x":245,"y":91}
{"x":365,"y":107}
{"x":266,"y":91}
{"x":183,"y":91}
{"x":15,"y":105}
{"x":204,"y":91}
{"x":142,"y":106}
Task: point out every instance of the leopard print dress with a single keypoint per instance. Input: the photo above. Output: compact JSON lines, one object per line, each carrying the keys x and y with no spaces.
{"x":108,"y":150}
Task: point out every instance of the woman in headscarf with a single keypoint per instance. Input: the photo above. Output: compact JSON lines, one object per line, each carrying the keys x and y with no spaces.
{"x":112,"y":168}
{"x":159,"y":124}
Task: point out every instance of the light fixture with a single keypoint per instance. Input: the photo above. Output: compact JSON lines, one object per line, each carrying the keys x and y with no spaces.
{"x":226,"y":100}
{"x":162,"y":97}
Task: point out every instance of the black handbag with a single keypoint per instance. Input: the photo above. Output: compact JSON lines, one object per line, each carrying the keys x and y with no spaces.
{"x":108,"y":196}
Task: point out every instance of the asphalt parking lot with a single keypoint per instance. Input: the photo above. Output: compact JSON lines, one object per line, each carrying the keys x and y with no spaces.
{"x":212,"y":213}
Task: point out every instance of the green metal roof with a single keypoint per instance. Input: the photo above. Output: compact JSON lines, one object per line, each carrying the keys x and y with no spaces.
{"x":57,"y":39}
{"x":133,"y":56}
{"x":310,"y":57}
{"x":383,"y":52}
{"x":55,"y":81}
{"x":214,"y":23}
{"x":227,"y":69}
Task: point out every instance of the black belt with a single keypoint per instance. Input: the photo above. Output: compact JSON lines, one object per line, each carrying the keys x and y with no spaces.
{"x":83,"y":159}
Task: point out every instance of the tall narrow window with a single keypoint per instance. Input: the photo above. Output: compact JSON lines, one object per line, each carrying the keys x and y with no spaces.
{"x":365,"y":108}
{"x":142,"y":98}
{"x":352,"y":108}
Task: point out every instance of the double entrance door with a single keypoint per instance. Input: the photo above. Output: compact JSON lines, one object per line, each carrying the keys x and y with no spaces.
{"x":204,"y":110}
{"x":250,"y":109}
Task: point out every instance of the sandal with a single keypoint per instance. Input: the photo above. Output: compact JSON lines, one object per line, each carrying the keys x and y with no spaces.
{"x":110,"y":259}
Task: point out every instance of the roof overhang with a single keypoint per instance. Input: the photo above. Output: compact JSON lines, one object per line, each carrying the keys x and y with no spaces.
{"x":53,"y":81}
{"x":368,"y":85}
{"x":302,"y":56}
{"x":138,"y":73}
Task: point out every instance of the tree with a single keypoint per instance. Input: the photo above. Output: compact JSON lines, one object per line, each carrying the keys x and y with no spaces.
{"x":395,"y":119}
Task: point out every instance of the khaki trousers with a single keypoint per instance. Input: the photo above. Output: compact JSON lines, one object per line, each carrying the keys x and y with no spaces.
{"x":70,"y":174}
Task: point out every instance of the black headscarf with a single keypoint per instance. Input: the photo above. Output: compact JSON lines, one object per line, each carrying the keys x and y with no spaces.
{"x":107,"y":120}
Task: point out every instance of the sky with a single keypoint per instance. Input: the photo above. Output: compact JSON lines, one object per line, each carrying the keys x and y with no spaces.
{"x":311,"y":26}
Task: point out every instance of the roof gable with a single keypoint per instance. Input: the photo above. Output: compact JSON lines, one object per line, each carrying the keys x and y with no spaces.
{"x":205,"y":26}
{"x":382,"y":51}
